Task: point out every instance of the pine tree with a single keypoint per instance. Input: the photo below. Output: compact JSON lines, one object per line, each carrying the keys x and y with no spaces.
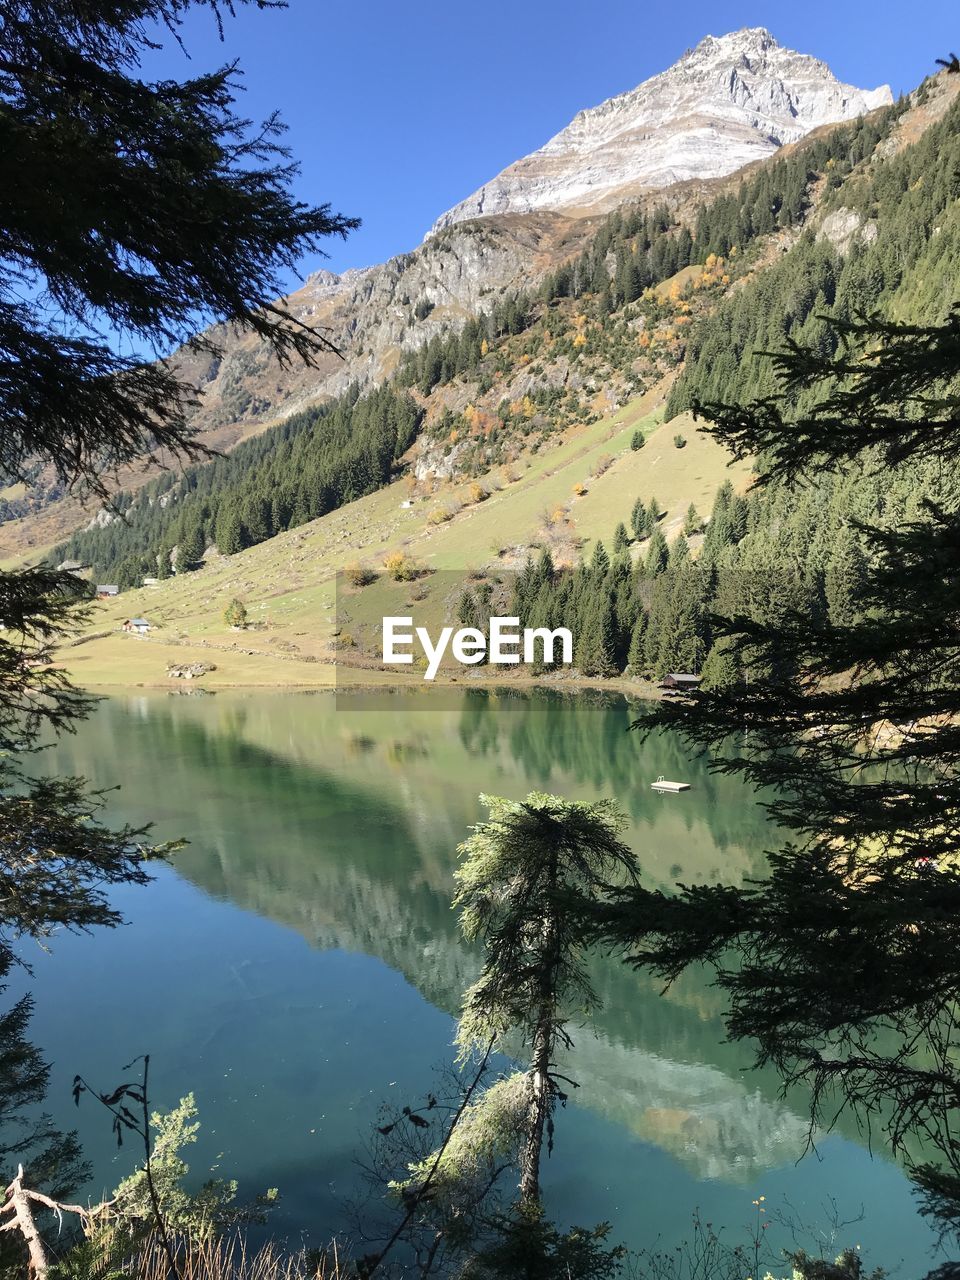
{"x":658,"y":617}
{"x":545,"y":568}
{"x":845,"y":578}
{"x":596,"y":650}
{"x":719,"y":527}
{"x":168,"y":209}
{"x":686,"y":649}
{"x":190,"y":546}
{"x":720,"y":669}
{"x":638,"y":519}
{"x":467,"y":609}
{"x":679,"y":553}
{"x":229,"y":531}
{"x":692,"y":523}
{"x":527,"y":876}
{"x":599,"y":561}
{"x":840,"y":964}
{"x":658,"y":554}
{"x":255,"y":513}
{"x":164,"y":564}
{"x":738,"y":518}
{"x":621,"y":541}
{"x":626,"y":604}
{"x":524,"y":592}
{"x":635,"y":658}
{"x":541,"y":614}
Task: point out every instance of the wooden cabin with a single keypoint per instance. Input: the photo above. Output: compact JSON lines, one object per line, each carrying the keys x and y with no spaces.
{"x":680,"y":681}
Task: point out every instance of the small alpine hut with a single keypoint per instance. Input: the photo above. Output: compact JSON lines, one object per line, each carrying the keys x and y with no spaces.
{"x":679,"y":682}
{"x":107,"y":592}
{"x":140,"y":626}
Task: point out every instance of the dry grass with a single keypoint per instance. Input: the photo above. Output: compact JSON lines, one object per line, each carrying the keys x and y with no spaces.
{"x":231,"y":1258}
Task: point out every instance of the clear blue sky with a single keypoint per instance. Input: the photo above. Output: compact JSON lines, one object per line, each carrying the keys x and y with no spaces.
{"x":397,"y":111}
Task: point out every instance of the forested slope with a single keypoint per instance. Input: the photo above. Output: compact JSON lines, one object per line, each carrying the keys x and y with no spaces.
{"x":600,"y":329}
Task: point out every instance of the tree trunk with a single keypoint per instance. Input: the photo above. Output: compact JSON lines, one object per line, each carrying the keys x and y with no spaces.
{"x":538,"y":1111}
{"x":542,"y":1048}
{"x":19,"y":1203}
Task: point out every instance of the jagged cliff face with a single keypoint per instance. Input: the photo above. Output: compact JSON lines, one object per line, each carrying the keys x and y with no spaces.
{"x":372,"y":316}
{"x":730,"y":101}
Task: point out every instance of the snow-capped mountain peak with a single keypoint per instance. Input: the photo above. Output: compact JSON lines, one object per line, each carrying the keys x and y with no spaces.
{"x":730,"y":100}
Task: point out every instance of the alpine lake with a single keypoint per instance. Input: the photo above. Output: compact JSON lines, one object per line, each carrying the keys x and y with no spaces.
{"x":298,"y":965}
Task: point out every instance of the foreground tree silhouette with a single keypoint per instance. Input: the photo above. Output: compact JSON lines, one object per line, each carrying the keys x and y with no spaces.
{"x":133,"y":214}
{"x":844,"y":964}
{"x":57,"y":862}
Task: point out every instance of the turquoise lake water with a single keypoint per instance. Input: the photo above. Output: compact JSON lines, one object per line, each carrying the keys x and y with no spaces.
{"x":299,"y":963}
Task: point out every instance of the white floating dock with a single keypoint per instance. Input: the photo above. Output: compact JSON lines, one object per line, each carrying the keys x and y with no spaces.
{"x":662,"y":784}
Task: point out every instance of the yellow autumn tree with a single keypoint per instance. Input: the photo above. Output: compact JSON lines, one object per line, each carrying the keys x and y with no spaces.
{"x":400,"y":567}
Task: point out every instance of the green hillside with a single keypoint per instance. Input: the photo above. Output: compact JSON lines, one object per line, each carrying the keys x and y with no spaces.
{"x":491,"y":448}
{"x":288,"y":583}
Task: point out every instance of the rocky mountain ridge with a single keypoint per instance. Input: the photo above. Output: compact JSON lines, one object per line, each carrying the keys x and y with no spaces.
{"x":731,"y":100}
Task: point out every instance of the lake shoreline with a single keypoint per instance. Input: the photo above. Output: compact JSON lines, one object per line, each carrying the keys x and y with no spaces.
{"x":381,"y":681}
